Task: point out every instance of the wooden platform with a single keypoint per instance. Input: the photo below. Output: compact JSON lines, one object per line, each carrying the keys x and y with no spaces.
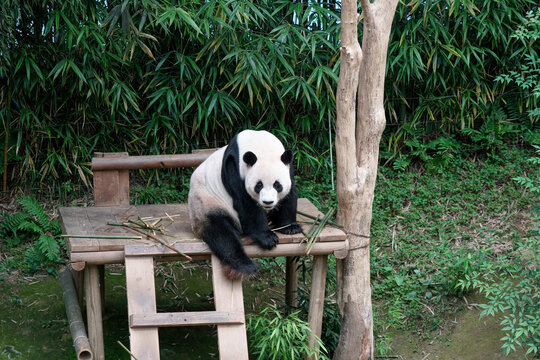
{"x":92,"y":221}
{"x":88,"y":252}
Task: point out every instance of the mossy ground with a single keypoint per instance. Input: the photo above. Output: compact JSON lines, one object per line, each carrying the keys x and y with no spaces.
{"x":425,"y":225}
{"x":33,"y":322}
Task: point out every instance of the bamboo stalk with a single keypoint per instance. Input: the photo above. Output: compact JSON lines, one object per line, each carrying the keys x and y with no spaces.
{"x":74,"y":315}
{"x":171,"y":217}
{"x":167,"y":216}
{"x":126,"y":349}
{"x":144,"y":225}
{"x":317,"y":218}
{"x":320,"y":226}
{"x":135,"y":226}
{"x":161,"y":242}
{"x":311,"y":229}
{"x":102,"y":236}
{"x":281,"y":227}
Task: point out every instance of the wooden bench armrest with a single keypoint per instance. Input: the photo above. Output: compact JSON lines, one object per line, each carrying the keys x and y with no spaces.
{"x":111,"y":172}
{"x":126,"y":162}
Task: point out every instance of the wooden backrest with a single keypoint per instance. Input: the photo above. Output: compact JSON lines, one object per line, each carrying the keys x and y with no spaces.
{"x":111,"y":172}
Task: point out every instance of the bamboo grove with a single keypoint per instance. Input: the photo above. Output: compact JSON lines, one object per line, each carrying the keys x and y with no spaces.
{"x":152,"y":77}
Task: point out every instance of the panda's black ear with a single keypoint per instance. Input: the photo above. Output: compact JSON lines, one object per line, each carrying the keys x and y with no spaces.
{"x":287,"y":157}
{"x":250,"y":158}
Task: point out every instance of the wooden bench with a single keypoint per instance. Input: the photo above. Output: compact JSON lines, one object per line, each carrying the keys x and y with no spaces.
{"x":88,"y":252}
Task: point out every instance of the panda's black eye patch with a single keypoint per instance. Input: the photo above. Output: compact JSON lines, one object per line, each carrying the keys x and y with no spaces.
{"x":258,"y":187}
{"x":278,"y":186}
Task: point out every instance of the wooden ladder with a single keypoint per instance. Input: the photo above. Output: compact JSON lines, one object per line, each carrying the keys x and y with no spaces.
{"x":144,"y":320}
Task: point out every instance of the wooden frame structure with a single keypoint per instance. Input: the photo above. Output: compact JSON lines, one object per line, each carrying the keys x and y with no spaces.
{"x":111,"y":191}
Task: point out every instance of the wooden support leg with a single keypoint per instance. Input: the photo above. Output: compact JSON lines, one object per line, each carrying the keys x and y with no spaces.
{"x":141,"y":295}
{"x":291,"y":282}
{"x":232,"y":339}
{"x":93,"y":310}
{"x":78,"y":282}
{"x":316,"y":299}
{"x":101,"y":269}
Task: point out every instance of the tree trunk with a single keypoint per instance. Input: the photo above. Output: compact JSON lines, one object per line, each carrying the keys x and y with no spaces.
{"x":358,"y":135}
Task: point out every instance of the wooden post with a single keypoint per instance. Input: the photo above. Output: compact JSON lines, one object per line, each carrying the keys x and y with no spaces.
{"x":316,"y":299}
{"x":93,"y":310}
{"x":111,"y":187}
{"x":291,"y":282}
{"x":101,"y":269}
{"x":77,"y":272}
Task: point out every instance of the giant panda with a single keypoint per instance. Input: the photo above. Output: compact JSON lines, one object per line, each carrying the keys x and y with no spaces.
{"x":236,"y":191}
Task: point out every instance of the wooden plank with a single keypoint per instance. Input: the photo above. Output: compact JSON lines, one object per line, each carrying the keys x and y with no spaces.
{"x":316,"y":299}
{"x":141,"y":296}
{"x":93,"y":311}
{"x":93,"y":221}
{"x":296,"y":249}
{"x":232,"y":339}
{"x":194,"y":318}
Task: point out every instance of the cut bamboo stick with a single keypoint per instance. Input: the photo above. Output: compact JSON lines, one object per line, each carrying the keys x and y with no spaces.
{"x":162,"y":243}
{"x":74,"y":315}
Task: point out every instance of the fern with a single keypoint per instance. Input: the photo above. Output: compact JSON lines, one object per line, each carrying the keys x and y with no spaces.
{"x":48,"y":246}
{"x":31,"y":227}
{"x":9,"y":226}
{"x":32,"y":207}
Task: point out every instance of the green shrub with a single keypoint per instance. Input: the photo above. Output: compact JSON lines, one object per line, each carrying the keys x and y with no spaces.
{"x":278,"y":337}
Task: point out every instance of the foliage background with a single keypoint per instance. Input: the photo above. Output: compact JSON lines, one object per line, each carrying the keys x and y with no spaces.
{"x":153,"y":77}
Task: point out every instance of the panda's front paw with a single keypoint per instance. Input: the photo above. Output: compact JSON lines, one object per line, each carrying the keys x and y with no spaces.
{"x":267,"y":240}
{"x":290,"y":229}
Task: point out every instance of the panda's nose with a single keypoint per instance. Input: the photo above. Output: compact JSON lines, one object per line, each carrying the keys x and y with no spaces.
{"x":268,"y":202}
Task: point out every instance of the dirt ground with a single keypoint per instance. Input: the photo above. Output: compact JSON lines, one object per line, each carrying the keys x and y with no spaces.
{"x":466,"y":338}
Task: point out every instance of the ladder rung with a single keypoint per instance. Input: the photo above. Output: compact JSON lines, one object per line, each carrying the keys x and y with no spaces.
{"x":192,"y":318}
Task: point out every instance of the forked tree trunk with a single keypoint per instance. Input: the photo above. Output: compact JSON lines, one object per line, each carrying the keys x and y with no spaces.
{"x":359,"y":126}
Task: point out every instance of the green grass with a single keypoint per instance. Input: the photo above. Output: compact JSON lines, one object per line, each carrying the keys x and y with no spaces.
{"x":431,"y":229}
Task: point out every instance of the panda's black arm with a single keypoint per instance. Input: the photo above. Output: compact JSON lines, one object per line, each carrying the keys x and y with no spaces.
{"x":284,"y":215}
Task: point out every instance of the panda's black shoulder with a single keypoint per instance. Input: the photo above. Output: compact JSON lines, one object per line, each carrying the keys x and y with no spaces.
{"x":230,"y":173}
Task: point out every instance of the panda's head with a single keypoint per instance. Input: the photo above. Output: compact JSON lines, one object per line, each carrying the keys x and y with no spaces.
{"x":267,"y":178}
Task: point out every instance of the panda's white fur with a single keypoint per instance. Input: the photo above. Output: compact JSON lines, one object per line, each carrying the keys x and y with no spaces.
{"x":207,"y":192}
{"x":234,"y":193}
